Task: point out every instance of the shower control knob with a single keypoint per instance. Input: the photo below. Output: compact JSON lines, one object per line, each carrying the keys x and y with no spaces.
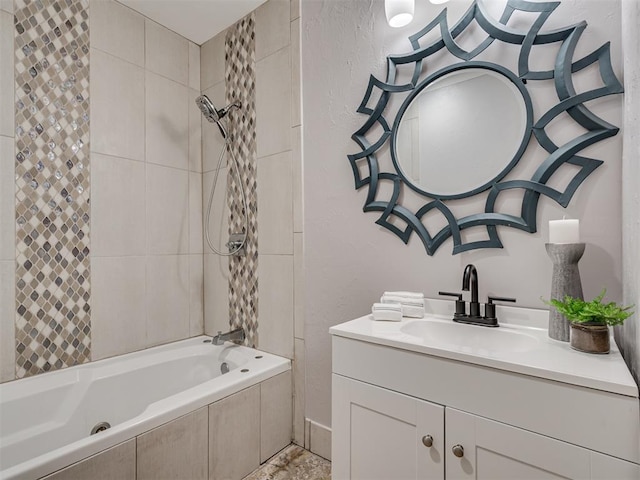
{"x":427,"y":441}
{"x":458,"y":451}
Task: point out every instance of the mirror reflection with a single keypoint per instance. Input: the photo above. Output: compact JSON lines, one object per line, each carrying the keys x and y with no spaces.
{"x":460,"y":132}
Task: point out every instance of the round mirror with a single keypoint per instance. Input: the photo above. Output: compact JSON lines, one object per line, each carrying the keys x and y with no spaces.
{"x":460,"y":131}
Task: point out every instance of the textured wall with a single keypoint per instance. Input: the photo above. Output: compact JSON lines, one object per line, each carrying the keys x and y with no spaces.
{"x":349,"y":259}
{"x":628,"y":336}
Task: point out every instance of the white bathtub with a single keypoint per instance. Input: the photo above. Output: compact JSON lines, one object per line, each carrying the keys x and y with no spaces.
{"x":45,"y":421}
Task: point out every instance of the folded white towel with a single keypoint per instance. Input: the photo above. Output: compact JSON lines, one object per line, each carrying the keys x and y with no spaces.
{"x":413,"y":308}
{"x":413,"y":312}
{"x":387,"y":311}
{"x":415,"y":302}
{"x":393,"y":306}
{"x":416,"y":295}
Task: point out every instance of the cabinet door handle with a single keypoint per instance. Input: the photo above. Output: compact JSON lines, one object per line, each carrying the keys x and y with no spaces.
{"x":427,"y":440}
{"x":458,"y":451}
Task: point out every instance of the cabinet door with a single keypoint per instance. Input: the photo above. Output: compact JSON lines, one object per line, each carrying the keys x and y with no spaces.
{"x":378,"y":434}
{"x":495,"y":451}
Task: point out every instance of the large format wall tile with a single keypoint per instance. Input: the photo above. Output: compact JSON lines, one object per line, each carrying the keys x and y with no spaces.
{"x":117,"y":120}
{"x":298,"y":391}
{"x":117,"y":30}
{"x":273,"y":103}
{"x":298,"y":284}
{"x":117,"y":206}
{"x":298,"y":197}
{"x":176,"y":450}
{"x":276,"y":304}
{"x":212,"y":140}
{"x":272,"y":27}
{"x":216,"y":294}
{"x":195,"y":132}
{"x":212,"y":62}
{"x":194,"y":66}
{"x":275,"y":205}
{"x":7,"y":199}
{"x":275,"y":415}
{"x":167,"y":122}
{"x":167,"y":298}
{"x":296,"y":74}
{"x":52,"y":185}
{"x":167,"y":53}
{"x":7,"y":320}
{"x":218,"y":219}
{"x":195,"y":212}
{"x":167,"y":203}
{"x":196,"y":295}
{"x":6,"y":5}
{"x":6,"y":74}
{"x":234,"y":433}
{"x":116,"y":463}
{"x":295,"y":9}
{"x":118,"y":319}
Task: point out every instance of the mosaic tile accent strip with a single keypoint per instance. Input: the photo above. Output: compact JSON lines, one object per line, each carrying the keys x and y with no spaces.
{"x":240,"y":85}
{"x":52,"y":192}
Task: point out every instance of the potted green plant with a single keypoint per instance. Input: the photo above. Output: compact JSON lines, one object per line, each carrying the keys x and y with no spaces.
{"x":590,"y":321}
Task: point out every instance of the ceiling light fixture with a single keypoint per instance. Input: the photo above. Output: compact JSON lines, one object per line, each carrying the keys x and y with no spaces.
{"x":399,"y":12}
{"x":438,"y":2}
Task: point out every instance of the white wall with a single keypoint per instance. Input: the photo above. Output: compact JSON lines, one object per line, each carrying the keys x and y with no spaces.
{"x":628,"y":336}
{"x":349,"y":260}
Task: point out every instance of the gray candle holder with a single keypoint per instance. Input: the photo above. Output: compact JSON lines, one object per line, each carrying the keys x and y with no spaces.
{"x":565,"y":281}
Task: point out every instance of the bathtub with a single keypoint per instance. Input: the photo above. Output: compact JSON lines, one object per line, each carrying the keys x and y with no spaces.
{"x":46,"y":420}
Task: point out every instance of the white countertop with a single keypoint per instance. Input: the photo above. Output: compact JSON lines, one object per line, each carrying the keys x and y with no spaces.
{"x":538,"y":356}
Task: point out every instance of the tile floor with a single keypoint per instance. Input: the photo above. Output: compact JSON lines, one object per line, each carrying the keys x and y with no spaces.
{"x":293,"y":463}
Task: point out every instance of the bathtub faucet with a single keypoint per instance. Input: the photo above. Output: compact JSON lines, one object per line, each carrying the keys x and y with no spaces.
{"x":236,"y":336}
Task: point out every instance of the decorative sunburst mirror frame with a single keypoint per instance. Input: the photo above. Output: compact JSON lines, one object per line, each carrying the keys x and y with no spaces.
{"x":379,"y":93}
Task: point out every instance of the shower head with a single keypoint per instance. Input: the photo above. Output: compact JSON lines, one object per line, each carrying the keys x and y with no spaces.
{"x":208,"y":109}
{"x":214,"y":115}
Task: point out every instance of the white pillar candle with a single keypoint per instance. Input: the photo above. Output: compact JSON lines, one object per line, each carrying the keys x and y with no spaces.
{"x":564,"y":231}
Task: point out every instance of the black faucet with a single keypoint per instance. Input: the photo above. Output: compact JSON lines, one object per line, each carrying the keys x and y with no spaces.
{"x":470,"y":280}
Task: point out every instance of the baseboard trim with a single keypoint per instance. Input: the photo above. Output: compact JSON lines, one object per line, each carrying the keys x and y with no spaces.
{"x":317,"y":438}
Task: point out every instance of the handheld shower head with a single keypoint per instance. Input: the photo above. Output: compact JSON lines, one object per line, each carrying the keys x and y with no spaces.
{"x":214,"y":115}
{"x":208,"y":109}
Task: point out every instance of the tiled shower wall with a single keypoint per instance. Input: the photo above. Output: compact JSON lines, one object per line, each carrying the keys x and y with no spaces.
{"x":7,"y":196}
{"x":279,"y":190}
{"x":146,"y":231}
{"x":146,"y":187}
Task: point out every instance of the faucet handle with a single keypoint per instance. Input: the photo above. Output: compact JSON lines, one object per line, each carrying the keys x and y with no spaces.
{"x":450,"y":294}
{"x":461,"y":308}
{"x":490,"y":308}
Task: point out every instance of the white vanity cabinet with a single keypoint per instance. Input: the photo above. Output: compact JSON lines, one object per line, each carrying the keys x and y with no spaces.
{"x":378,"y":434}
{"x":401,"y":413}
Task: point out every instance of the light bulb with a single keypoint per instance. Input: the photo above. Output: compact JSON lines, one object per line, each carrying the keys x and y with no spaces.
{"x":399,"y":12}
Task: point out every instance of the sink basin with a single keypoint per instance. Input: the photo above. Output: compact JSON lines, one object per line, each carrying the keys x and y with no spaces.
{"x":469,"y":338}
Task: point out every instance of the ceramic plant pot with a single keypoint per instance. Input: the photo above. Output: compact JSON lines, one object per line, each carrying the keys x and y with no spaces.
{"x":590,"y":337}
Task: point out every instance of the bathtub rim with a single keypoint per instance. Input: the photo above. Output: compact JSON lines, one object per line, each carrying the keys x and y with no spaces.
{"x":155,"y":414}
